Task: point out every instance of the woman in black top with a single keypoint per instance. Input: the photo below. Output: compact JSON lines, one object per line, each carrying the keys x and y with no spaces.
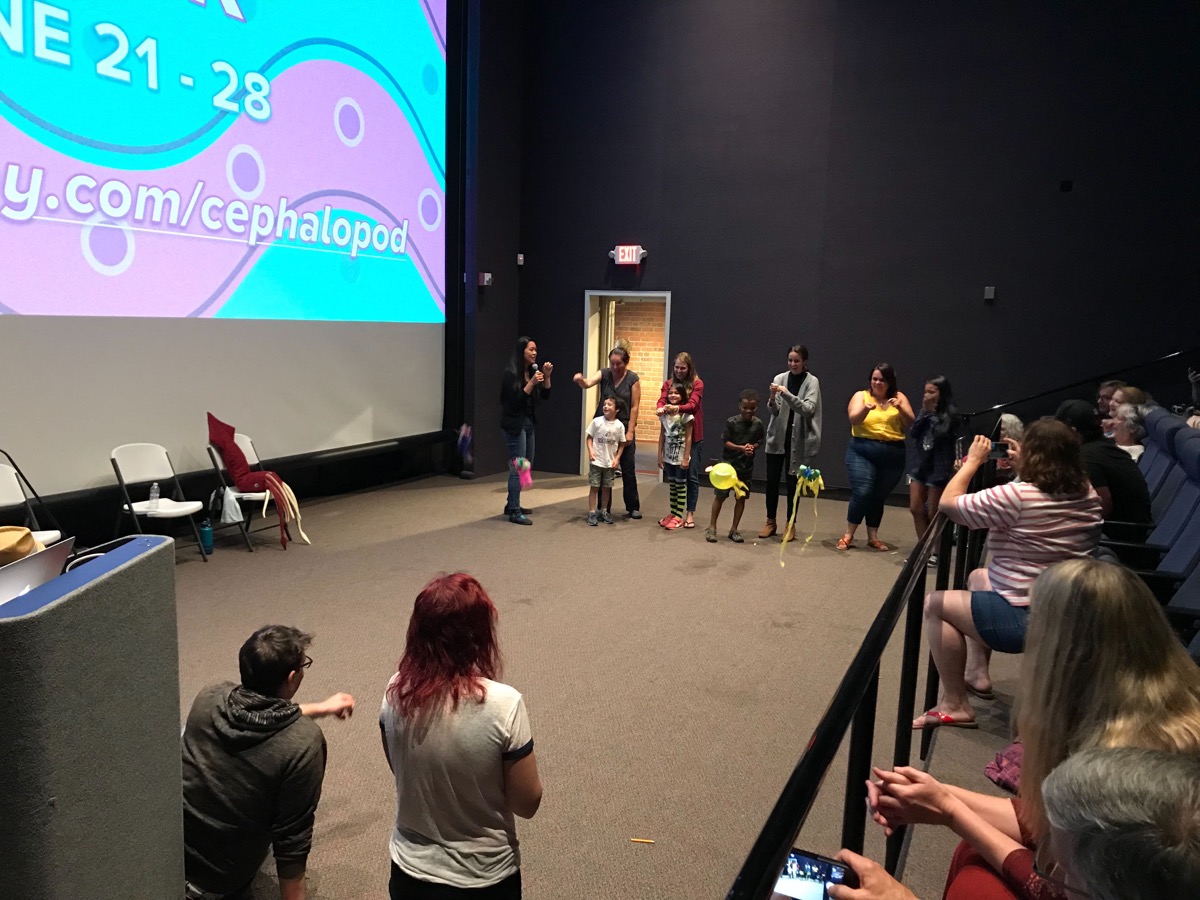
{"x":524,"y":382}
{"x":620,"y":382}
{"x":931,"y":452}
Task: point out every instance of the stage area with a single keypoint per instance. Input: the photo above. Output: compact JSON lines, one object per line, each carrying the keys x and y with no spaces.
{"x":671,"y":683}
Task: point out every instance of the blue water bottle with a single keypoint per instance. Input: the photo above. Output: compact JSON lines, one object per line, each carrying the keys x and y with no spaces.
{"x":206,"y":536}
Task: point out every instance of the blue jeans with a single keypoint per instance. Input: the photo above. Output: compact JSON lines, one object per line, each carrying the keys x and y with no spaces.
{"x":875,"y":468}
{"x":693,"y":488}
{"x":519,"y":444}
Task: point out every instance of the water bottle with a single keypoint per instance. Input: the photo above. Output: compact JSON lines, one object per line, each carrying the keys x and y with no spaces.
{"x":206,"y":536}
{"x":154,"y":495}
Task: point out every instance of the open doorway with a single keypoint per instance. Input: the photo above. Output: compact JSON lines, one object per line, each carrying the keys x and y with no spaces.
{"x":643,"y":318}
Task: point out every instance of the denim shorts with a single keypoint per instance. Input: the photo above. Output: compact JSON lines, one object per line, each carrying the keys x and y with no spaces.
{"x":598,"y":477}
{"x":1001,"y":625}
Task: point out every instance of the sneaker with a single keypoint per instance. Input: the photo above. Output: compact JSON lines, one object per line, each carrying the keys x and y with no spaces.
{"x":634,"y":514}
{"x":932,"y":561}
{"x":710,"y":535}
{"x":736,"y":537}
{"x":520,"y":519}
{"x":593,"y":518}
{"x":606,"y":518}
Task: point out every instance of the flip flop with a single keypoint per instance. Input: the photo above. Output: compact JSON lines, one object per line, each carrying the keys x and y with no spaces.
{"x":937,"y":719}
{"x":689,"y":524}
{"x":982,"y":695}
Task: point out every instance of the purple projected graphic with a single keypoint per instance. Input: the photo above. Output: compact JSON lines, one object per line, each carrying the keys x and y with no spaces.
{"x":259,"y":170}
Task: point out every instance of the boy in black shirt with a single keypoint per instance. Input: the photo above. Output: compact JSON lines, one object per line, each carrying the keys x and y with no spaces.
{"x":741,"y":439}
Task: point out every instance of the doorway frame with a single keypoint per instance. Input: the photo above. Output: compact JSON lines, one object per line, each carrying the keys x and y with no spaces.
{"x":591,"y":340}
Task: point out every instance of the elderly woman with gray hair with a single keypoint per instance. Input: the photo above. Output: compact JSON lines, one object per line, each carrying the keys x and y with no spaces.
{"x":1124,"y":824}
{"x":1129,"y":428}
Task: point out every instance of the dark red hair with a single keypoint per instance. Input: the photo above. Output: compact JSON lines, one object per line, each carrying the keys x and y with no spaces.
{"x":450,"y":648}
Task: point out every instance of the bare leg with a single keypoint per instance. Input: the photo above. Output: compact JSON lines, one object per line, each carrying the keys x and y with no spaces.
{"x":739,"y":506}
{"x":718,"y":502}
{"x":948,"y":626}
{"x":979,"y":654}
{"x":592,"y":492}
{"x":918,"y":505}
{"x":606,"y":497}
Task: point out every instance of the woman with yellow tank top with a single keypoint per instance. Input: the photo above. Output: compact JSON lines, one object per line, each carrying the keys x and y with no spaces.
{"x":879,"y":418}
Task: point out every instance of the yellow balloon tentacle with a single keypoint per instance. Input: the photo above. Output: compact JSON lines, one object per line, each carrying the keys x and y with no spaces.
{"x":808,"y":480}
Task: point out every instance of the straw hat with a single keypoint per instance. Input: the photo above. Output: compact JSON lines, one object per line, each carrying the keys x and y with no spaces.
{"x":16,"y":543}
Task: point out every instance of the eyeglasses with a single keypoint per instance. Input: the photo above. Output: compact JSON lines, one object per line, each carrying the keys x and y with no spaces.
{"x":307,"y":662}
{"x":1050,"y":872}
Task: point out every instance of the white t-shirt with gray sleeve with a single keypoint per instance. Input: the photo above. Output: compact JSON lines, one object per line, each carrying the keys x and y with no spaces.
{"x":453,"y":825}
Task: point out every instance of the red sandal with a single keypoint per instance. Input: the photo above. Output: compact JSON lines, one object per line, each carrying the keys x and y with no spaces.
{"x":845,"y":542}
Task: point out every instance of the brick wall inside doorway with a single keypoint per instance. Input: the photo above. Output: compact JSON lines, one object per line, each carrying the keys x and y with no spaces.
{"x":643,"y":324}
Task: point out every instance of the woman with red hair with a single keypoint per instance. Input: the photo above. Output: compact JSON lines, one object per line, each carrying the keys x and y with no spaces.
{"x":460,"y":747}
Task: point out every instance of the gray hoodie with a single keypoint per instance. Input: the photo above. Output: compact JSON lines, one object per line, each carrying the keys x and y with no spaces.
{"x":252,"y":772}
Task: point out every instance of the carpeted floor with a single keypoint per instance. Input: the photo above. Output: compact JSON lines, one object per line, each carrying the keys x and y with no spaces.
{"x":672,"y":684}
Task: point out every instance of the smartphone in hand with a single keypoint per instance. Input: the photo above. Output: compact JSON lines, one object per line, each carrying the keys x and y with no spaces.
{"x":806,"y":875}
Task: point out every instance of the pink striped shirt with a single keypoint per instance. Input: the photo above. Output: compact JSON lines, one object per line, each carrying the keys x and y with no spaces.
{"x":1029,"y":531}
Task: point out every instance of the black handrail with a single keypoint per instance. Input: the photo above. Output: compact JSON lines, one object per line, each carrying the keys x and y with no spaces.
{"x":1086,"y":381}
{"x":854,"y":701}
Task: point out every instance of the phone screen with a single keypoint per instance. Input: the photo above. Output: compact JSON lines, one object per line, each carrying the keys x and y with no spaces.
{"x":999,"y":450}
{"x":806,"y":876}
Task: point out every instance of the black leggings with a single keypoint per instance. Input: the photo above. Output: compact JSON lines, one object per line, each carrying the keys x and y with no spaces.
{"x":402,"y":886}
{"x":776,"y":463}
{"x":629,"y":486}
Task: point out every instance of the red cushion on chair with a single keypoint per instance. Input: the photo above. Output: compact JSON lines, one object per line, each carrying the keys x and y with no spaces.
{"x":220,"y":436}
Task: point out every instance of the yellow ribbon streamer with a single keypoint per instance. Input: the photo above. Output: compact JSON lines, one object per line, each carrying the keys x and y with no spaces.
{"x":807,"y":480}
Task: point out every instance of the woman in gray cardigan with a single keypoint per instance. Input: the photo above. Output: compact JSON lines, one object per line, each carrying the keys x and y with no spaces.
{"x":793,"y":433}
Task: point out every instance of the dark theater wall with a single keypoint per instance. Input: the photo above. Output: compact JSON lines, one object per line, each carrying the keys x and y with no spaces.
{"x":852,"y":175}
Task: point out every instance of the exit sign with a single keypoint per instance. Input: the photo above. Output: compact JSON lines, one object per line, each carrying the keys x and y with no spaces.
{"x":627,"y":254}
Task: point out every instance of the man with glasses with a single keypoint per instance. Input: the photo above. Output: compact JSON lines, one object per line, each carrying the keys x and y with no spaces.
{"x":253,"y":763}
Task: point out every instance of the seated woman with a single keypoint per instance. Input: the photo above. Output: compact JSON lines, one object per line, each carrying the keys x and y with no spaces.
{"x":460,"y":747}
{"x":1126,"y":393}
{"x":1129,"y":429}
{"x":1049,"y":514}
{"x":1102,"y":669}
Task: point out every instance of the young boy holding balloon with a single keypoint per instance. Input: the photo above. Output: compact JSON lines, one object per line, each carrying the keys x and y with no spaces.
{"x":741,"y":439}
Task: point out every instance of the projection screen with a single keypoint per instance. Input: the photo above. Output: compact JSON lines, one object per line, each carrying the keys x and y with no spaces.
{"x":225,"y":205}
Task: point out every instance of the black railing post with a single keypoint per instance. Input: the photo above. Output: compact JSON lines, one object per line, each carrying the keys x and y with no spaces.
{"x":858,"y":767}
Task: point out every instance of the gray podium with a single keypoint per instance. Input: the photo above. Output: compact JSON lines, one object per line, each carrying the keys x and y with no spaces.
{"x":90,"y":802}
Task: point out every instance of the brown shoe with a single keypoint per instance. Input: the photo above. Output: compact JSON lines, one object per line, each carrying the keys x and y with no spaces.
{"x":789,"y":535}
{"x":767,"y":530}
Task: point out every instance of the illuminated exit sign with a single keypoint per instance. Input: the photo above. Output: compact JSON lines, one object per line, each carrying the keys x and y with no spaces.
{"x":627,"y":254}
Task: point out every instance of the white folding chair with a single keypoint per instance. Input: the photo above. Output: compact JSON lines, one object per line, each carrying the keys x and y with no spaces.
{"x":12,"y":493}
{"x":246,"y":445}
{"x":139,"y":464}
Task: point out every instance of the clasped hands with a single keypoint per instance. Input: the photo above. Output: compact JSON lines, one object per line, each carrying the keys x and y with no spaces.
{"x":887,"y":401}
{"x":908,"y":796}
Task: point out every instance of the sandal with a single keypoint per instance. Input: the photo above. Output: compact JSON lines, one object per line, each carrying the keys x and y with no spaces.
{"x":689,"y":524}
{"x":934,"y":718}
{"x":845,"y":542}
{"x":876,"y":544}
{"x":672,"y":522}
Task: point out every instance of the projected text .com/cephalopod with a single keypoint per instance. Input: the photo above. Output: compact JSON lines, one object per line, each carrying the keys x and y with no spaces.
{"x":27,"y":198}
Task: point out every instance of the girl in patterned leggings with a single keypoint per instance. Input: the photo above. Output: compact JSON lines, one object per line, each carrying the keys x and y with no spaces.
{"x":675,"y":454}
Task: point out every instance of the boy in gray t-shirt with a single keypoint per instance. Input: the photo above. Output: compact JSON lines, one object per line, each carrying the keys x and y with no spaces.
{"x":605,"y":440}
